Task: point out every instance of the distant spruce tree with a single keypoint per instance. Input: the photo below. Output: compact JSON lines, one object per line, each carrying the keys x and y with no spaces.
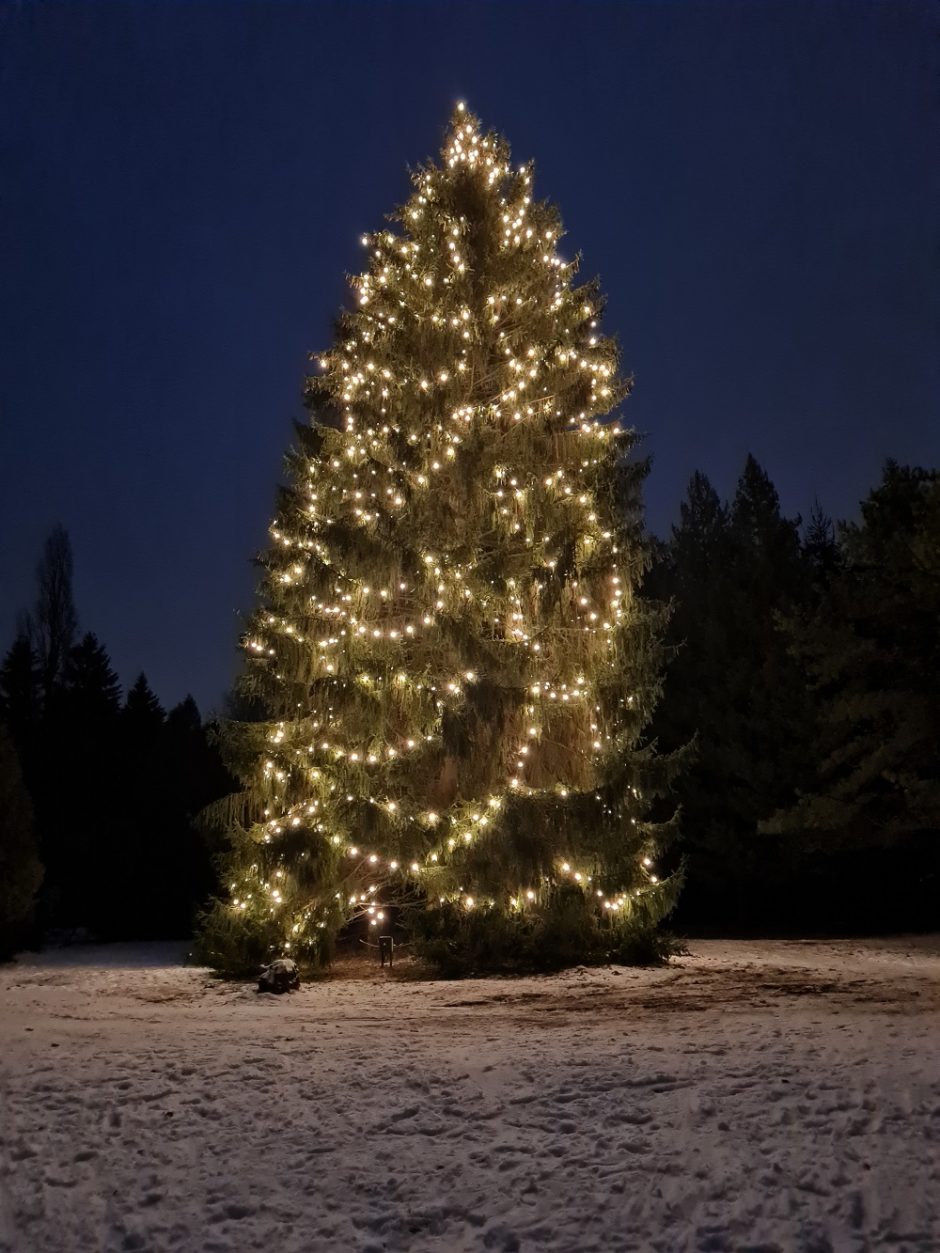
{"x":142,"y":862}
{"x":196,"y":778}
{"x":774,"y":718}
{"x":454,"y":670}
{"x":162,"y":872}
{"x":199,"y":777}
{"x":143,"y":716}
{"x":733,"y":690}
{"x":90,"y":688}
{"x":821,"y":553}
{"x":77,"y":803}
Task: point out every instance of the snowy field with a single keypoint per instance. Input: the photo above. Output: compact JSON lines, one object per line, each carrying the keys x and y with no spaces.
{"x":751,"y":1097}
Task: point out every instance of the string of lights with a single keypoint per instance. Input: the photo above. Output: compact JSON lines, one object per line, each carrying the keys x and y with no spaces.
{"x":451,"y":657}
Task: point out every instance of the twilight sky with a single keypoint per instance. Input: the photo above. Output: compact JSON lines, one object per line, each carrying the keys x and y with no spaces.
{"x":183,"y":186}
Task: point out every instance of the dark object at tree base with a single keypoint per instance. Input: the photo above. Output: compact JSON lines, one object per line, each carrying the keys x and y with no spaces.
{"x":387,"y":950}
{"x":281,"y":976}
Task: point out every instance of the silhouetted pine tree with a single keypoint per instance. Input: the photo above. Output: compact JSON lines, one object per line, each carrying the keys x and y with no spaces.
{"x":732,"y":689}
{"x":142,"y":837}
{"x":197,"y":778}
{"x":143,"y":715}
{"x":162,"y":871}
{"x":822,"y":556}
{"x":76,"y":788}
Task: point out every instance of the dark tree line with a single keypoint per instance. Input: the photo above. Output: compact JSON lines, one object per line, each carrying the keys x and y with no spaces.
{"x":805,"y":670}
{"x":98,"y":790}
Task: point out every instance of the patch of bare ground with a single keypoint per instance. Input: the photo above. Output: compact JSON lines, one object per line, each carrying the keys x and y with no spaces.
{"x":737,"y":976}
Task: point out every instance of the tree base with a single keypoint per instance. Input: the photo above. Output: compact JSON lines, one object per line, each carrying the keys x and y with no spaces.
{"x":459,"y":944}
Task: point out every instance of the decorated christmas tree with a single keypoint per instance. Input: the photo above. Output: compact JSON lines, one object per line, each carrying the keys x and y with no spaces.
{"x":449,"y":672}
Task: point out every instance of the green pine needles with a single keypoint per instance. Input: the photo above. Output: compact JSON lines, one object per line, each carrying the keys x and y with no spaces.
{"x":450,"y":665}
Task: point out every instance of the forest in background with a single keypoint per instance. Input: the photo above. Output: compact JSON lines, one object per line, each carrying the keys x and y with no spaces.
{"x":99,"y":790}
{"x":804,"y":667}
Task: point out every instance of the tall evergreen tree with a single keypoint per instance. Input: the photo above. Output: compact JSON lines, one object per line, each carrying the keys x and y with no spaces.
{"x":196,"y":777}
{"x":759,"y":526}
{"x":453,"y":664}
{"x":767,"y":686}
{"x":91,"y":689}
{"x":143,"y":715}
{"x":75,"y":792}
{"x":142,"y":855}
{"x":197,"y":770}
{"x":733,"y":690}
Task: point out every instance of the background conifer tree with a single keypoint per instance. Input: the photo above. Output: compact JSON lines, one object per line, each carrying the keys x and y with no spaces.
{"x":80,"y":822}
{"x":452,"y":668}
{"x":731,"y":571}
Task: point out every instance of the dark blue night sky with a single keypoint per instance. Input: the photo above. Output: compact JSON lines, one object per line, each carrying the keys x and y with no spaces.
{"x":183,"y":186}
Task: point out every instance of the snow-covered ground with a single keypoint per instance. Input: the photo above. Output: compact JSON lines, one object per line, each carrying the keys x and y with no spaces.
{"x":750,"y":1097}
